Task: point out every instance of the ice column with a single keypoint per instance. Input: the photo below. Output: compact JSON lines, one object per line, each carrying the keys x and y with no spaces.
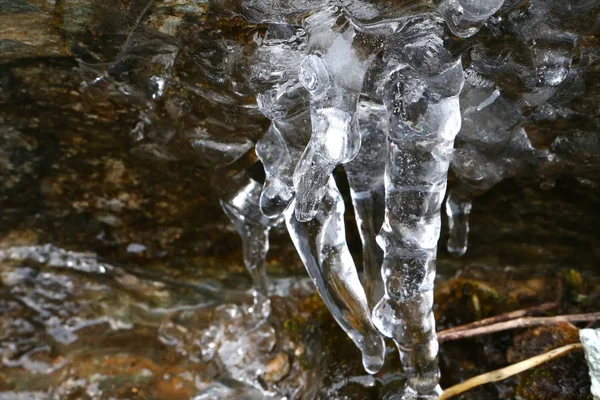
{"x":365,"y":176}
{"x":421,"y":97}
{"x":321,"y":244}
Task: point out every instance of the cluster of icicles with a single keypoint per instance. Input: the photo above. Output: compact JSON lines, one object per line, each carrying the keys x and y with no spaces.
{"x":373,"y":86}
{"x":395,"y":136}
{"x":392,"y":124}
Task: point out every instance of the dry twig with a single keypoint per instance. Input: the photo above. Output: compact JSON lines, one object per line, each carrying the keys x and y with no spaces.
{"x":524,"y":322}
{"x":503,"y":317}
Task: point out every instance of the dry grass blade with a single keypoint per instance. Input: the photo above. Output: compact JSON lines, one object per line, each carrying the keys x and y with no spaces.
{"x":509,"y":371}
{"x":524,"y":322}
{"x":503,"y":317}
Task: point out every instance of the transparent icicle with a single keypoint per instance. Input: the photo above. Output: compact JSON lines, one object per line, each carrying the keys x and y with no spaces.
{"x":282,"y":99}
{"x":321,"y":242}
{"x":333,"y":73}
{"x":242,"y":208}
{"x":322,"y":246}
{"x":476,"y":174}
{"x":365,"y":176}
{"x":421,"y":97}
{"x":458,"y":209}
{"x":279,"y":155}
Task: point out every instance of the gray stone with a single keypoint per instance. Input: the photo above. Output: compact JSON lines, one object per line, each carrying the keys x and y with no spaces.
{"x":17,"y":7}
{"x":7,"y":45}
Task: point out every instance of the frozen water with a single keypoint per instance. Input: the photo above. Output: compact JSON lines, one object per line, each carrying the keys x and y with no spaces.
{"x":322,"y":246}
{"x":366,"y":179}
{"x":56,"y":257}
{"x":465,"y":17}
{"x":421,"y":98}
{"x":488,"y":123}
{"x":375,"y":86}
{"x":457,"y":211}
{"x":396,"y":143}
{"x":240,"y":202}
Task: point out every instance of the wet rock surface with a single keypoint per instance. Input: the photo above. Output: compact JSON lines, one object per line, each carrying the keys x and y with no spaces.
{"x":120,"y":277}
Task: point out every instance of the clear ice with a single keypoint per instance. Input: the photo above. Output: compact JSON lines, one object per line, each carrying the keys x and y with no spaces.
{"x":421,"y":88}
{"x":385,"y":90}
{"x":240,"y":202}
{"x":466,"y":17}
{"x":310,"y":88}
{"x":366,"y":178}
{"x":321,"y":243}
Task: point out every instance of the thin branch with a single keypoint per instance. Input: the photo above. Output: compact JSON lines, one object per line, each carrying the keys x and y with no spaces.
{"x":504,"y":317}
{"x":523,"y":322}
{"x":136,"y":24}
{"x":503,"y":373}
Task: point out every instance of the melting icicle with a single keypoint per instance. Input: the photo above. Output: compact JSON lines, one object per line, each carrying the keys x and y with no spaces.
{"x":421,"y":98}
{"x":241,"y":206}
{"x":476,"y":174}
{"x":487,"y":135}
{"x":282,"y":99}
{"x":333,"y":74}
{"x":365,"y":176}
{"x":320,"y":242}
{"x":322,"y":246}
{"x":457,"y":211}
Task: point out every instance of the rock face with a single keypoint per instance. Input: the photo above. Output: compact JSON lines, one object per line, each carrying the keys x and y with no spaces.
{"x":69,"y":151}
{"x":123,"y":122}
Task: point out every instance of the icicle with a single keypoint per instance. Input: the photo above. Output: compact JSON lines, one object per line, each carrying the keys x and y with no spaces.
{"x":282,"y":99}
{"x":279,"y":158}
{"x":421,"y":98}
{"x":321,"y":242}
{"x":488,"y":141}
{"x":322,"y":246}
{"x":466,"y":17}
{"x":365,"y":176}
{"x":242,"y":208}
{"x":457,"y":211}
{"x":333,"y":74}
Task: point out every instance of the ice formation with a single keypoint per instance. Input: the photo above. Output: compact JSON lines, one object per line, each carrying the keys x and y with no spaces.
{"x":240,"y":201}
{"x":590,"y":339}
{"x":383,"y":88}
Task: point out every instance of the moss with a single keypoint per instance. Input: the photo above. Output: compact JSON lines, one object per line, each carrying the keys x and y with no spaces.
{"x":565,"y":378}
{"x":464,"y":300}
